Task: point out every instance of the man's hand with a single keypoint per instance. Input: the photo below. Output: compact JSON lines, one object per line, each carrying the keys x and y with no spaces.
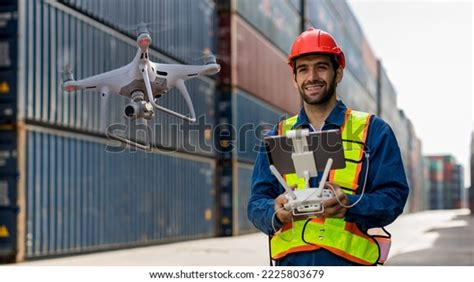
{"x":332,"y":208}
{"x":283,"y":215}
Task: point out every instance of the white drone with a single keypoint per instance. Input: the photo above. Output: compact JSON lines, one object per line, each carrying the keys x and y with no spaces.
{"x":144,"y":82}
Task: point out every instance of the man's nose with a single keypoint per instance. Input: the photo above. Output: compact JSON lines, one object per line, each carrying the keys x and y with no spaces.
{"x":312,"y":75}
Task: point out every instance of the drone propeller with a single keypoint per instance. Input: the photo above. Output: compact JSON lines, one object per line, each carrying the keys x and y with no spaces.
{"x":65,"y":66}
{"x":155,"y":27}
{"x":208,"y":57}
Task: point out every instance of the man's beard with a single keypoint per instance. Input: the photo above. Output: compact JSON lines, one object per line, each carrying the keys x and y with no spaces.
{"x":325,"y":97}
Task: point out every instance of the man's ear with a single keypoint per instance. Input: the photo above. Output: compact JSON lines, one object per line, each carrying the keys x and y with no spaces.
{"x":295,"y":84}
{"x":339,"y":74}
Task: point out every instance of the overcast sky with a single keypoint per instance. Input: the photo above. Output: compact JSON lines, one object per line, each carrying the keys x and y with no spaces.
{"x":426,"y":48}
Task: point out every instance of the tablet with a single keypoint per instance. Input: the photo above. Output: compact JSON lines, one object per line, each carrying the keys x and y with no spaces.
{"x":324,"y":145}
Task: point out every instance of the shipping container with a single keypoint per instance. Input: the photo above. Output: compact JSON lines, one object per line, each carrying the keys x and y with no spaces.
{"x":297,"y":5}
{"x":261,"y":70}
{"x":388,"y":110}
{"x":323,"y":14}
{"x":61,"y":38}
{"x":446,"y":182}
{"x":182,"y":29}
{"x":435,"y":165}
{"x":80,"y":196}
{"x":8,"y":61}
{"x":8,"y":217}
{"x":8,"y":152}
{"x":470,"y":192}
{"x":252,"y":124}
{"x":242,"y":189}
{"x":418,"y":181}
{"x":8,"y":140}
{"x":354,"y":95}
{"x":277,"y":20}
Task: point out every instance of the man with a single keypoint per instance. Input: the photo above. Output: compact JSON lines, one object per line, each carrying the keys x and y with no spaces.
{"x":339,"y":236}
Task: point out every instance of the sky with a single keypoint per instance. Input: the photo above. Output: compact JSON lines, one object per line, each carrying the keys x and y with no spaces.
{"x":426,"y":49}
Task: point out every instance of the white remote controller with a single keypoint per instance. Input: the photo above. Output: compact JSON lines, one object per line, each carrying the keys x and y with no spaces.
{"x":308,"y":201}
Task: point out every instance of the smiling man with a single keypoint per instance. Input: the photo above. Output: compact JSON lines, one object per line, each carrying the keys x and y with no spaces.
{"x":372,"y":188}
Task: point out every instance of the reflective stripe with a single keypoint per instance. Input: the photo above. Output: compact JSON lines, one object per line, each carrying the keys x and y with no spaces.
{"x":290,"y":241}
{"x":334,"y":236}
{"x":355,"y":129}
{"x":340,"y":237}
{"x":287,"y":125}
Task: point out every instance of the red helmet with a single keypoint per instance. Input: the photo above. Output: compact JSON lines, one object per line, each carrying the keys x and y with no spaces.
{"x":316,"y":41}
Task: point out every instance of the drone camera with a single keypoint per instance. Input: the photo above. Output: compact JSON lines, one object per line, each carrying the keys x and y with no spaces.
{"x":130,"y":111}
{"x":144,"y":40}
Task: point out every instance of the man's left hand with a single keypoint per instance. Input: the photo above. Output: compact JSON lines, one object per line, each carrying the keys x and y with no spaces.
{"x":332,"y":208}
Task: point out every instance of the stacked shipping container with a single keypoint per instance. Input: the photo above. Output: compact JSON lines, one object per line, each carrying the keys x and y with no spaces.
{"x":470,"y":194}
{"x":358,"y":88}
{"x":78,"y":192}
{"x":80,"y":197}
{"x":446,"y":183}
{"x":8,"y":138}
{"x":415,"y":172}
{"x":262,"y":92}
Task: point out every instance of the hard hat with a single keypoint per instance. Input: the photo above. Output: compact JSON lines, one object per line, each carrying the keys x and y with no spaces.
{"x":316,"y":41}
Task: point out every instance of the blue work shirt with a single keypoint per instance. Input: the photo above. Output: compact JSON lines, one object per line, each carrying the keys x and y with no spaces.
{"x":386,"y":190}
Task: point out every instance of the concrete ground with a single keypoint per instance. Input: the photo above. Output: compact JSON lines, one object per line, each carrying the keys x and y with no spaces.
{"x":443,"y":237}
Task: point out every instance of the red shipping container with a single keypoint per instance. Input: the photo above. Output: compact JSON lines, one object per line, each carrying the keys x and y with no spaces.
{"x":260,"y":68}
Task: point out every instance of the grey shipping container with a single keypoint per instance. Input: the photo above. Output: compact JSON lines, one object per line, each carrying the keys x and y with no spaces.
{"x":354,"y":95}
{"x":277,"y":20}
{"x":80,"y":197}
{"x":52,"y":36}
{"x":296,"y":4}
{"x":388,"y":98}
{"x":252,"y":124}
{"x":180,"y":28}
{"x":323,"y":15}
{"x":241,"y":191}
{"x":269,"y":78}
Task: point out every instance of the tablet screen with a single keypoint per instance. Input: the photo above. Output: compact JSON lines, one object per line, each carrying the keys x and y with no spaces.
{"x":323,"y":144}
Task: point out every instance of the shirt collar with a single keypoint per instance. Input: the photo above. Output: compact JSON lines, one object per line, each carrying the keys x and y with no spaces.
{"x":336,"y":117}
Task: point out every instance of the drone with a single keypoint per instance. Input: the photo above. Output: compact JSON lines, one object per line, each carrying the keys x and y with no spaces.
{"x":144,"y":82}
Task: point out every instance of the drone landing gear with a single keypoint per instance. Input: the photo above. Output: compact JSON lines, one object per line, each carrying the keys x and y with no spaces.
{"x":136,"y":110}
{"x":182,"y":89}
{"x":145,"y":147}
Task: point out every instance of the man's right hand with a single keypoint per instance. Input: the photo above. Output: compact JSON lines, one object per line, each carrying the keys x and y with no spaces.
{"x":283,"y":215}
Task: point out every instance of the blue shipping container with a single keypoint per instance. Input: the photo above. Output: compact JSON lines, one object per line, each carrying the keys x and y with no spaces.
{"x":81,"y":197}
{"x":322,"y":14}
{"x":180,"y":28}
{"x":242,"y":189}
{"x":277,"y":20}
{"x":51,"y":37}
{"x":251,"y":124}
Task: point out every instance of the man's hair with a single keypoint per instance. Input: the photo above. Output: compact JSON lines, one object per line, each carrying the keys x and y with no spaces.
{"x":332,"y":58}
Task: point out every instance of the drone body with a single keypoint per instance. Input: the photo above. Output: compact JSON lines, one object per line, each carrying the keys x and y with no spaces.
{"x":144,"y":81}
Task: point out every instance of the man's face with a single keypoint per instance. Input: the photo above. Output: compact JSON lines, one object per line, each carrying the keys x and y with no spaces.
{"x":316,"y":79}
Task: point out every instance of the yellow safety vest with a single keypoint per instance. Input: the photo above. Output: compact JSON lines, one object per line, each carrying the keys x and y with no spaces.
{"x":342,"y":238}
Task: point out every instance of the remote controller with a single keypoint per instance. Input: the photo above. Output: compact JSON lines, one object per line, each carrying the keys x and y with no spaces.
{"x":307,"y":200}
